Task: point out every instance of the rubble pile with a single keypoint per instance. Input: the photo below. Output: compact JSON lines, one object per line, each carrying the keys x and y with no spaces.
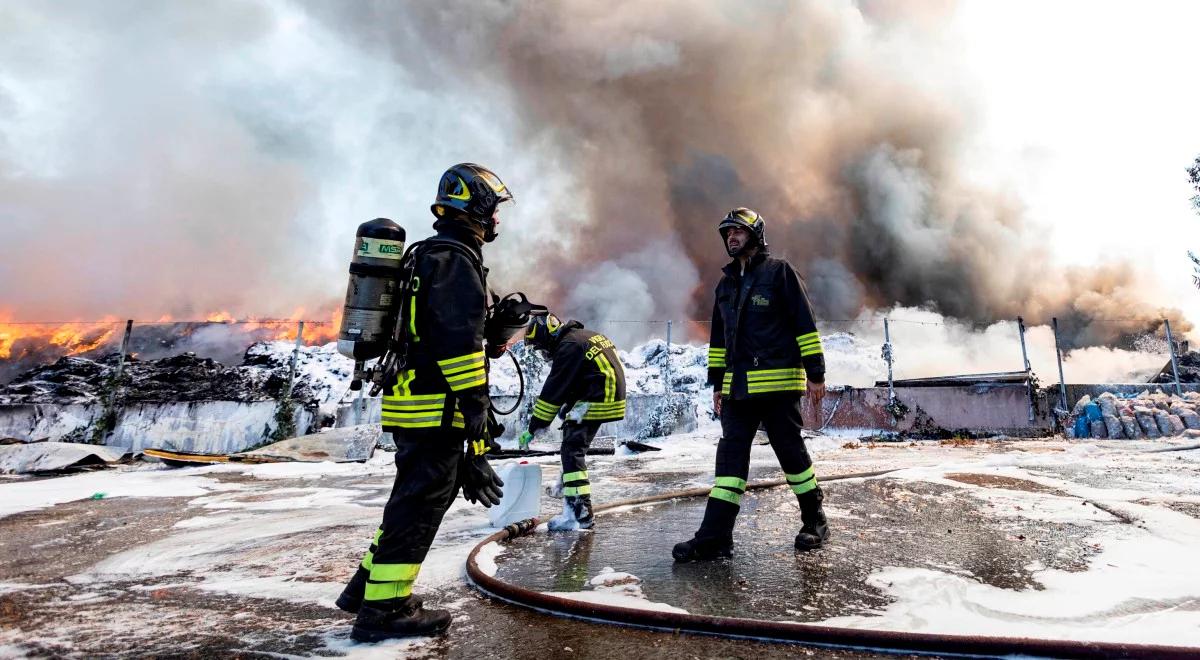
{"x":1146,"y":416}
{"x":185,"y":377}
{"x":1188,"y":365}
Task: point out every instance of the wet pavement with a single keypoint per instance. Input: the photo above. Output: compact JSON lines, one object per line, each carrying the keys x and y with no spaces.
{"x":250,"y":569}
{"x":874,"y":524}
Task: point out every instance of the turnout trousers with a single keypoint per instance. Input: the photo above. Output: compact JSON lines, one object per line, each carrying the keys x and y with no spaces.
{"x":426,"y":484}
{"x":740,"y":419}
{"x":577,"y":437}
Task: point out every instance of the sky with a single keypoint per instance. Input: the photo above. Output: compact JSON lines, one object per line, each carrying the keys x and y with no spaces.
{"x":211,"y":156}
{"x":1092,"y":117}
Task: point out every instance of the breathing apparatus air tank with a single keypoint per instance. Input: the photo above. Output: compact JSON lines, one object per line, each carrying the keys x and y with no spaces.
{"x":372,"y":297}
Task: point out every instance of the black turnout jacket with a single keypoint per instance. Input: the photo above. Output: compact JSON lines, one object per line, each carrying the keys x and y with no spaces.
{"x":764,"y":339}
{"x":586,"y":381}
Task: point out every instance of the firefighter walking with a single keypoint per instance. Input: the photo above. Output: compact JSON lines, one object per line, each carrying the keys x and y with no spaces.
{"x":586,"y":387}
{"x":436,"y":407}
{"x":764,"y":353}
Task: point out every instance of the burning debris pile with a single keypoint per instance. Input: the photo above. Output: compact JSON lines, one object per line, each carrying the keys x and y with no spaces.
{"x":220,"y":337}
{"x":1188,"y":365}
{"x":1149,"y":416}
{"x":320,"y":380}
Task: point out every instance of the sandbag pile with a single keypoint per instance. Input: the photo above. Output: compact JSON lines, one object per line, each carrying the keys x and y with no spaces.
{"x":1146,"y":416}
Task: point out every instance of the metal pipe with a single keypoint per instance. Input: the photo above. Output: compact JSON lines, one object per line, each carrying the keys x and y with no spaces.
{"x":124,"y":351}
{"x":1028,"y":368}
{"x":295,"y":355}
{"x":1171,"y":351}
{"x":781,"y":631}
{"x":887,"y":356}
{"x":667,"y":383}
{"x":1062,"y":381}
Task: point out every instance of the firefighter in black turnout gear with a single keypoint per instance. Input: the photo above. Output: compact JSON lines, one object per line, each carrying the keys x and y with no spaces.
{"x":586,"y":387}
{"x":764,"y":352}
{"x":436,"y":406}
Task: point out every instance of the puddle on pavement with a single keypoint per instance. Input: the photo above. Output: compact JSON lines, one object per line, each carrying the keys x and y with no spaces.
{"x":874,"y":524}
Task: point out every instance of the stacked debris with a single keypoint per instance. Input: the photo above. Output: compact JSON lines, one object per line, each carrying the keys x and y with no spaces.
{"x":185,"y":377}
{"x":1148,"y":415}
{"x":1188,"y":365}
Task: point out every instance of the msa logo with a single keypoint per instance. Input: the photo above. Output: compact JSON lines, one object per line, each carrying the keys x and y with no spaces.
{"x":387,"y":248}
{"x":759,"y":301}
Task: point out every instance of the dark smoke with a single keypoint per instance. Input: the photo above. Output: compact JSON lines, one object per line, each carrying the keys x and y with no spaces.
{"x":221,"y":155}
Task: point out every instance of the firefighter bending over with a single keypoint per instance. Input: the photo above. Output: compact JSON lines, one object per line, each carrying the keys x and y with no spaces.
{"x":433,"y":406}
{"x":763,"y":348}
{"x":586,"y":387}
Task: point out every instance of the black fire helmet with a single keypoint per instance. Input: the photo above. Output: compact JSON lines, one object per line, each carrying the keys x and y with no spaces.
{"x":473,"y":190}
{"x":747,"y":219}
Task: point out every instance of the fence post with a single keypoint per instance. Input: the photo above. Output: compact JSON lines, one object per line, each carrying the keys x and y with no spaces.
{"x":887,"y":356}
{"x":124,"y":350}
{"x":1028,"y":368}
{"x":667,"y":383}
{"x":1062,"y":381}
{"x":1171,"y":351}
{"x":295,"y":355}
{"x":113,"y":394}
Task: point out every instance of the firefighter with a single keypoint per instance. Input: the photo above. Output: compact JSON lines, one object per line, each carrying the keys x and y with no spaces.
{"x":764,"y":352}
{"x":586,"y":387}
{"x":436,"y":404}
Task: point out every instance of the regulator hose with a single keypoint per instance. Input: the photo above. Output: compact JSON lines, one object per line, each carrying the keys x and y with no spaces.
{"x":520,"y":391}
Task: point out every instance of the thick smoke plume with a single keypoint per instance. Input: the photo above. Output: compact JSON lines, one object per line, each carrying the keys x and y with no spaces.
{"x":175,"y":158}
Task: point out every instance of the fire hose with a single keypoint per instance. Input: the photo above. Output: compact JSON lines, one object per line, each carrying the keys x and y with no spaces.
{"x":885,"y":641}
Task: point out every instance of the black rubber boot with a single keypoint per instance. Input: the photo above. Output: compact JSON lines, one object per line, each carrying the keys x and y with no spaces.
{"x":815,"y":529}
{"x":401,"y":619}
{"x":352,"y":596}
{"x":699,"y":549}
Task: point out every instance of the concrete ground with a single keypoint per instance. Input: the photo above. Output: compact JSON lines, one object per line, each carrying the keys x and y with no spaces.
{"x":244,"y":561}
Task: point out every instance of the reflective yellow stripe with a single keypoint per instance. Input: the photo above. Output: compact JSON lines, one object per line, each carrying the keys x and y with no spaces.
{"x":575,"y":476}
{"x":803,"y":488}
{"x":727,"y":495}
{"x":730,"y":482}
{"x":573,"y":491}
{"x":467,"y":381}
{"x":803,"y":476}
{"x":394,"y":572}
{"x":544,"y":410}
{"x":809,"y":344}
{"x":367,"y":559}
{"x":388,"y":590}
{"x":605,"y":412}
{"x":476,"y":372}
{"x":414,"y":401}
{"x":716,"y":357}
{"x":727,"y":383}
{"x":426,"y":421}
{"x":778,"y":386}
{"x":449,"y":364}
{"x":774,"y":374}
{"x":610,"y":377}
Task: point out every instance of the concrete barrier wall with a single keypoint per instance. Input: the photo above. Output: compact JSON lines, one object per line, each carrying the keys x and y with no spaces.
{"x":217,"y":427}
{"x":936,"y":411}
{"x":645,"y":416}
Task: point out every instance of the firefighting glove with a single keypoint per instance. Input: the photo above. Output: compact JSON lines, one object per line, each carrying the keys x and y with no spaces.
{"x":480,"y":483}
{"x":524,"y":439}
{"x":475,"y":404}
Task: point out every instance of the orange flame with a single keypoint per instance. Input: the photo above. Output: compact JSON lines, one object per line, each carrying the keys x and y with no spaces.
{"x":19,"y":340}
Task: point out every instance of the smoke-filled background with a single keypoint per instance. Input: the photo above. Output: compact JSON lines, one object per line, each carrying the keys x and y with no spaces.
{"x":181,"y":158}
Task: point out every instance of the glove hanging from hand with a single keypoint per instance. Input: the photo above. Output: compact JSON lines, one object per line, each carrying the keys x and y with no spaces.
{"x":480,"y":483}
{"x":524,"y":439}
